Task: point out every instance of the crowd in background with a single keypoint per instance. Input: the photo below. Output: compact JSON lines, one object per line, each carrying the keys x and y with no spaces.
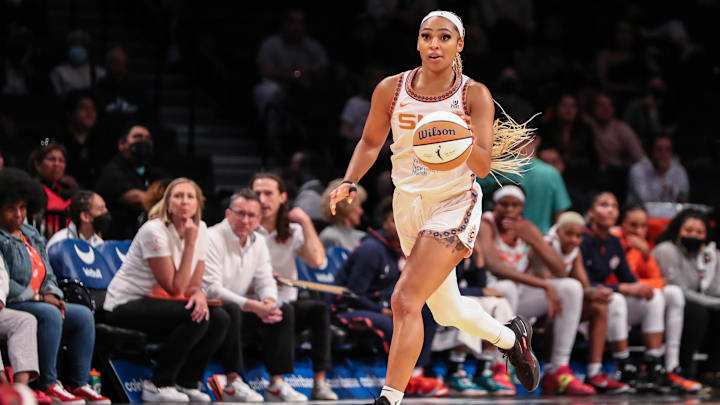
{"x":625,"y":91}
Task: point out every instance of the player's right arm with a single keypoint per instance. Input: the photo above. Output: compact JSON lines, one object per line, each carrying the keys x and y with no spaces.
{"x":377,"y":127}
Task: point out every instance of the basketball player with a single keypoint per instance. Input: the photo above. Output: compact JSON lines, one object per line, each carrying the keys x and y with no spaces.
{"x":437,"y":213}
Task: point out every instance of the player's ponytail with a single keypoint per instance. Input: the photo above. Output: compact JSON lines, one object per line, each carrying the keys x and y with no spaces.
{"x":509,"y":138}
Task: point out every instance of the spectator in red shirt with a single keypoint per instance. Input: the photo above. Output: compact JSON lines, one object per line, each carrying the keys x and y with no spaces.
{"x":48,"y":163}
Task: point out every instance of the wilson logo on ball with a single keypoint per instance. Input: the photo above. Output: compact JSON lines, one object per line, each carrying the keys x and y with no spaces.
{"x":435,"y":131}
{"x":442,"y":141}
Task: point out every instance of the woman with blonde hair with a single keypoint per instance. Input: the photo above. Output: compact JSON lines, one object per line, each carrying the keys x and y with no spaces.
{"x":158,"y":290}
{"x":341,"y":226}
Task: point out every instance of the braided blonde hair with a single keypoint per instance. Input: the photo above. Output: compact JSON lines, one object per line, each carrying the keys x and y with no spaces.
{"x":509,"y":138}
{"x":457,"y":63}
{"x":457,"y":60}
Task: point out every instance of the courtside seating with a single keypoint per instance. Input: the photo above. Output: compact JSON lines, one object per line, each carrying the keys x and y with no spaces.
{"x":335,"y":257}
{"x":114,"y":252}
{"x":303,"y":269}
{"x":75,"y":259}
{"x":338,"y":255}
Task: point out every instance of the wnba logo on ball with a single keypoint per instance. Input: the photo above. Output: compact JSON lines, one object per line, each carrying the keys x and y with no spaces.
{"x":433,"y":131}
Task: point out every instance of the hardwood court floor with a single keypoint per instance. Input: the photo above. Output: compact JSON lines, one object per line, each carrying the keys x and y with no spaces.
{"x":713,"y":398}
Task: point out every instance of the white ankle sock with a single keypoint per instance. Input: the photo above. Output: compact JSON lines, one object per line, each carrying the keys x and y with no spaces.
{"x":457,"y":356}
{"x":622,"y":355}
{"x":392,"y":395}
{"x":505,"y":339}
{"x":593,"y":369}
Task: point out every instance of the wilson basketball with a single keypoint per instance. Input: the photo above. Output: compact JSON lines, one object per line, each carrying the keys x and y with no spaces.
{"x":442,"y":141}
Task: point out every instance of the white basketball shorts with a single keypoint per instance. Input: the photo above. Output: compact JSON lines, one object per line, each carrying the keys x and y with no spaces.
{"x":457,"y":215}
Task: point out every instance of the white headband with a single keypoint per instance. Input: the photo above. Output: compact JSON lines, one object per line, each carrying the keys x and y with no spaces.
{"x":448,"y":16}
{"x":509,"y":190}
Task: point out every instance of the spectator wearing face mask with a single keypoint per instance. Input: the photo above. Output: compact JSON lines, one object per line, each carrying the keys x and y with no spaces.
{"x":89,"y":219}
{"x":76,"y":72}
{"x":124,"y":180}
{"x":688,"y":259}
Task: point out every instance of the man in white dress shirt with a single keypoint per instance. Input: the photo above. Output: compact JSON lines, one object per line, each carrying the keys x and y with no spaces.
{"x":239,"y":272}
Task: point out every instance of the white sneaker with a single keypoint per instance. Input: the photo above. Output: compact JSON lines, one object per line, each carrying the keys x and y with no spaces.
{"x":238,"y":391}
{"x":194,"y":394}
{"x":283,"y":392}
{"x":151,"y":393}
{"x":321,"y":391}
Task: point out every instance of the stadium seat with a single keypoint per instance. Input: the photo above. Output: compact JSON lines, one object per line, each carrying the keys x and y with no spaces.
{"x":302,"y":269}
{"x":337,"y":254}
{"x":335,"y":257}
{"x":324,"y":274}
{"x":75,"y":259}
{"x":114,"y":252}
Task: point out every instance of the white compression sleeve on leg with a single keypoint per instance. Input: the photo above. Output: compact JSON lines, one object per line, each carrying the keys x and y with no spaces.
{"x":449,"y":308}
{"x":674,"y":318}
{"x":566,"y":323}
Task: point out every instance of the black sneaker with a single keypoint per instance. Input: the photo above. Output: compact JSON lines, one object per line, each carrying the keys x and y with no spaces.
{"x":627,"y":372}
{"x":651,"y":373}
{"x":521,"y":355}
{"x":381,"y":401}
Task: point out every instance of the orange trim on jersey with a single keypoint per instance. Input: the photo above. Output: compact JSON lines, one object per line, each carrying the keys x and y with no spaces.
{"x":430,"y":99}
{"x":464,"y":98}
{"x":454,"y":231}
{"x":396,"y":93}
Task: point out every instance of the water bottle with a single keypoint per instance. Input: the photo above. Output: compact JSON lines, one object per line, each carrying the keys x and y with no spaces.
{"x":95,"y":382}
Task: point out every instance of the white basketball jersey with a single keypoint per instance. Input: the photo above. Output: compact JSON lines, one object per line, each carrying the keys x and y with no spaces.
{"x":554,"y":241}
{"x":517,"y":255}
{"x":407,"y":109}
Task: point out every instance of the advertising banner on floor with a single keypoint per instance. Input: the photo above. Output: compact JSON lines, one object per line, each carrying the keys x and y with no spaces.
{"x":359,"y":378}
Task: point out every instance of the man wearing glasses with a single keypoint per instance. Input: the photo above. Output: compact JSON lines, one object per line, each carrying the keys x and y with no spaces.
{"x":238,"y":272}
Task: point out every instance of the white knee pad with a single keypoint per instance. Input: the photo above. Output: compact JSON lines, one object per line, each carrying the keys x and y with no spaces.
{"x":654,"y":320}
{"x":674,"y":297}
{"x":570,"y":292}
{"x":617,"y":328}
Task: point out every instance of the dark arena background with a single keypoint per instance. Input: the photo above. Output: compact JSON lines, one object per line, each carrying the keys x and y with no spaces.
{"x":627,"y":96}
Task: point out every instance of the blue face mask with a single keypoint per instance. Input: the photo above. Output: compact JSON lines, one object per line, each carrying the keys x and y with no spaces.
{"x":77,"y":55}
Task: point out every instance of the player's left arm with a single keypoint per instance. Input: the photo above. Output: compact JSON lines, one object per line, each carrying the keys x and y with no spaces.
{"x":482,"y":114}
